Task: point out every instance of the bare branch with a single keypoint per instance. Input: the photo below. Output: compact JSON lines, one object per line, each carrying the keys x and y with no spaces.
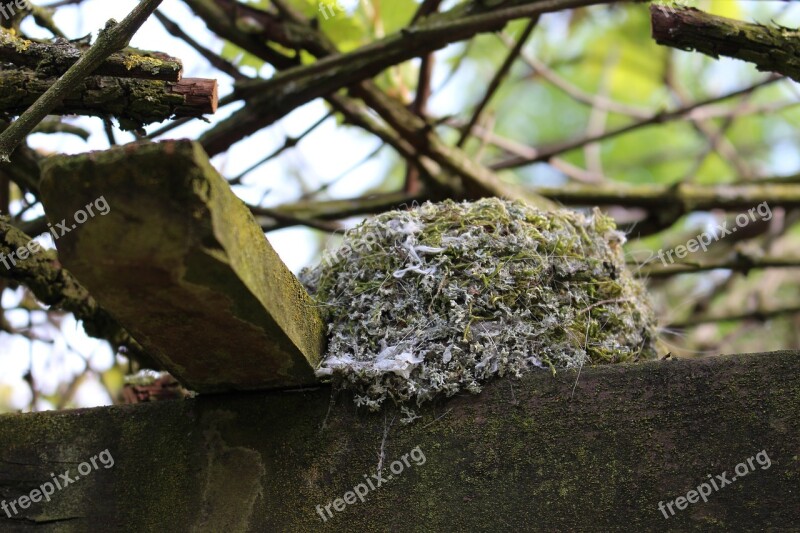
{"x":546,"y":153}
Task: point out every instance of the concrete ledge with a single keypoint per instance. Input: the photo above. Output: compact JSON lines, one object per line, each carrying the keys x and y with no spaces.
{"x":523,"y":455}
{"x":181,"y":263}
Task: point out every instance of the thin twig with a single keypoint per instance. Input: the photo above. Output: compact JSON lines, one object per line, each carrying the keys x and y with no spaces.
{"x":494,"y":84}
{"x":658,"y":118}
{"x":290,"y":142}
{"x":439,"y":417}
{"x":576,"y":93}
{"x":216,"y":60}
{"x":585,"y":355}
{"x":382,"y":453}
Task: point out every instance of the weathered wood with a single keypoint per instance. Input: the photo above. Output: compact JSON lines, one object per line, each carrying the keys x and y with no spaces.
{"x":199,"y":94}
{"x":181,"y":263}
{"x":524,"y":455}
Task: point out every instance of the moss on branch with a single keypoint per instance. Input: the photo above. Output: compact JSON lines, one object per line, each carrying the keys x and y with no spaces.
{"x":769,"y":48}
{"x":53,"y":59}
{"x":134,"y":102}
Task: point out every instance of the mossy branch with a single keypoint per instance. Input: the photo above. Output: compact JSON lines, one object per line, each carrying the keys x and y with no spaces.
{"x":759,"y":315}
{"x":739,"y":263}
{"x":134,"y":102}
{"x":683,"y":198}
{"x":313,"y":212}
{"x":114,"y":37}
{"x":666,"y":203}
{"x":53,"y":59}
{"x":769,"y":48}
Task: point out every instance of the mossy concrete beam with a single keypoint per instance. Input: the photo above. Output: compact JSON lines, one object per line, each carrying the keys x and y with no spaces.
{"x":179,"y":260}
{"x":596,"y":452}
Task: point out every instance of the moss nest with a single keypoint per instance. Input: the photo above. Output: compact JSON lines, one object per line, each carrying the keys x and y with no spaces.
{"x":438,"y":299}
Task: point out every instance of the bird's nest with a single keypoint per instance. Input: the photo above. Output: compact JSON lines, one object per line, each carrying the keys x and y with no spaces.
{"x":442,"y":297}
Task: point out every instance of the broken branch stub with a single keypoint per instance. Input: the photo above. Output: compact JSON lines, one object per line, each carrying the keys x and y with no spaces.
{"x":135,"y":103}
{"x":179,"y":260}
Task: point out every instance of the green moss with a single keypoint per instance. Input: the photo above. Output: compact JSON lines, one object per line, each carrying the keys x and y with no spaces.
{"x":631,"y":436}
{"x":440,"y":298}
{"x":206,"y":256}
{"x":9,"y":37}
{"x":148,"y":63}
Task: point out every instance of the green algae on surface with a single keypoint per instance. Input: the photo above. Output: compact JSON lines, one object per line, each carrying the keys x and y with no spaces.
{"x":182,"y":264}
{"x":440,"y":298}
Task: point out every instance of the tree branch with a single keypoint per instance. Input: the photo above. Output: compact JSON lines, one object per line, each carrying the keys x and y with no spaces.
{"x":326,"y":210}
{"x":683,"y":197}
{"x":218,"y":62}
{"x":758,"y":315}
{"x":544,"y":154}
{"x":134,"y":102}
{"x":496,"y":80}
{"x":475,"y":180}
{"x":739,"y":263}
{"x":53,"y":59}
{"x":296,"y":86}
{"x":771,"y":49}
{"x":112,"y":38}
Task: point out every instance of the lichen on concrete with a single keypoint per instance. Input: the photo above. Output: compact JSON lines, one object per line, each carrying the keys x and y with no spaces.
{"x":177,"y":242}
{"x":440,"y":298}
